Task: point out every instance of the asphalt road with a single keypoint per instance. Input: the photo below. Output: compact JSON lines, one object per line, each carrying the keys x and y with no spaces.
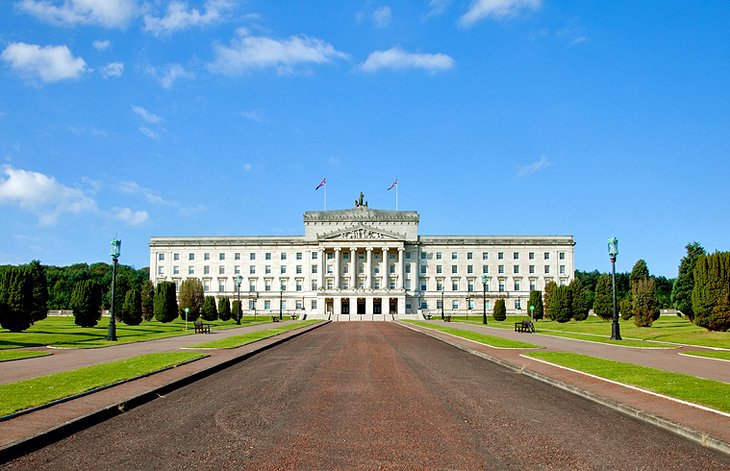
{"x":371,"y":396}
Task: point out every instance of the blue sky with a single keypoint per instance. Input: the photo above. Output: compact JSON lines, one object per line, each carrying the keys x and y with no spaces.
{"x":135,"y":118}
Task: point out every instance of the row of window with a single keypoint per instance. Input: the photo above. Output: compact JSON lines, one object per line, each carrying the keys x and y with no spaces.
{"x":236,"y":256}
{"x":485,"y":269}
{"x":485,"y":255}
{"x":455,"y":305}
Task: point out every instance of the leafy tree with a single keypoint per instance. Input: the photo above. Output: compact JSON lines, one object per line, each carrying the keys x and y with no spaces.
{"x":208,"y":311}
{"x":603,"y":301}
{"x":236,"y":311}
{"x":589,"y":280}
{"x":132,"y":308}
{"x":500,"y":310}
{"x":16,"y":298}
{"x":560,"y":304}
{"x":86,"y":303}
{"x":148,"y":301}
{"x":663,"y":292}
{"x":578,"y":303}
{"x":547,"y":298}
{"x":711,"y":292}
{"x":40,"y":291}
{"x":191,"y":296}
{"x":224,"y":308}
{"x":625,"y":309}
{"x":644,"y":303}
{"x":536,"y":300}
{"x":639,"y":272}
{"x":682,"y":289}
{"x":165,"y":304}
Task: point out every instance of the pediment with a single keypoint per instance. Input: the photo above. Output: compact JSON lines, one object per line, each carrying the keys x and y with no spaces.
{"x":361,"y":233}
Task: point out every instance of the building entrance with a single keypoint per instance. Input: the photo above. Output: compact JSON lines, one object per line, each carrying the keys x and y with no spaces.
{"x":361,"y":306}
{"x":377,"y":306}
{"x":393,"y":306}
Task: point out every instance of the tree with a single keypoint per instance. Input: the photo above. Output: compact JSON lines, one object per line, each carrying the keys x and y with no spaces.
{"x":148,"y":301}
{"x":625,"y":309}
{"x":40,"y":291}
{"x":208,"y":311}
{"x":224,"y":308}
{"x":639,"y":272}
{"x":644,"y":303}
{"x":603,"y":301}
{"x":500,"y":310}
{"x":536,"y":301}
{"x":682,"y":289}
{"x":165,"y":304}
{"x":578,"y":303}
{"x":16,"y":298}
{"x":711,"y":292}
{"x":191,"y":296}
{"x":663,"y":292}
{"x":132,"y":308}
{"x":86,"y":303}
{"x":236,"y":309}
{"x":547,"y":297}
{"x":639,"y":276}
{"x":560,"y":304}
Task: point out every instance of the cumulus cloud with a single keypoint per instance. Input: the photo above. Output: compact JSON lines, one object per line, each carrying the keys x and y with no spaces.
{"x":382,"y":16}
{"x":247,"y":52}
{"x":152,"y":196}
{"x":101,"y":45}
{"x":397,"y":58}
{"x":112,"y":69}
{"x":534,"y":167}
{"x":170,"y":74}
{"x":149,"y":133}
{"x":496,"y":9}
{"x":133,"y":218}
{"x":106,"y":13}
{"x":48,"y":63}
{"x":42,"y":195}
{"x":180,"y":17}
{"x":437,"y":7}
{"x":146,"y":115}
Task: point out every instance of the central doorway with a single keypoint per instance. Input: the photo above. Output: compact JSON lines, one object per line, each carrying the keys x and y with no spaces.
{"x":377,"y":306}
{"x":361,"y":306}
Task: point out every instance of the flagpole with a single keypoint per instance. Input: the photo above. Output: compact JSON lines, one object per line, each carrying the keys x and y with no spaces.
{"x":396,"y":197}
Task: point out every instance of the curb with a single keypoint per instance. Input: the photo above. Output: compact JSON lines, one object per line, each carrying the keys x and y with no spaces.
{"x":45,"y":438}
{"x":678,"y":429}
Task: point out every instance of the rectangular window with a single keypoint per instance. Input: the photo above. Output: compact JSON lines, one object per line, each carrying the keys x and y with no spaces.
{"x":438,"y":255}
{"x":191,"y":257}
{"x":252,"y":256}
{"x":237,"y":256}
{"x":531,"y":255}
{"x":221,"y":256}
{"x":267,"y":256}
{"x":423,"y":269}
{"x":346,"y":256}
{"x":283,"y":255}
{"x":299,"y":304}
{"x":518,"y":304}
{"x":392,"y":269}
{"x":488,"y":305}
{"x":485,"y":269}
{"x":160,"y":270}
{"x":314,"y":255}
{"x":515,"y":256}
{"x":330,"y":255}
{"x":206,"y":256}
{"x":161,"y":257}
{"x":485,"y":256}
{"x":252,"y":270}
{"x":376,"y":283}
{"x":237,"y":269}
{"x":516,"y":269}
{"x":176,"y":256}
{"x":533,"y":285}
{"x":547,"y":255}
{"x":299,"y":255}
{"x":176,"y":270}
{"x":299,"y":269}
{"x":532,"y":269}
{"x":547,"y":269}
{"x":251,"y":305}
{"x":314,"y":269}
{"x":283,"y":269}
{"x":562,"y":269}
{"x":455,"y":304}
{"x":222,"y":270}
{"x":500,"y":255}
{"x":282,"y":285}
{"x":329,"y":269}
{"x":408,"y":268}
{"x":206,"y":286}
{"x":439,"y":269}
{"x":267,"y":305}
{"x":314,"y":285}
{"x":423,"y":285}
{"x":252,"y":285}
{"x":470,"y":269}
{"x":518,"y":285}
{"x":408,"y":256}
{"x":267,"y":269}
{"x":423,"y":255}
{"x":391,"y":285}
{"x":500,"y":269}
{"x":206,"y":270}
{"x":470,"y":286}
{"x":469,"y":255}
{"x":191,"y":270}
{"x":221,"y":286}
{"x":439,"y":286}
{"x":314,"y":304}
{"x":454,"y":255}
{"x":454,"y":269}
{"x":267,"y":285}
{"x":345,"y":269}
{"x":561,"y":255}
{"x":501,"y":286}
{"x":454,"y":285}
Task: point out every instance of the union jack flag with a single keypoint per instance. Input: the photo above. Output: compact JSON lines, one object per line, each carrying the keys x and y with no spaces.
{"x":321,"y":184}
{"x":394,"y":184}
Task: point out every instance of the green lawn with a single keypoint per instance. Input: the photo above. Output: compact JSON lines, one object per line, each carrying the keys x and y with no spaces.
{"x":668,"y":328}
{"x":38,"y":391}
{"x":492,"y":341}
{"x":713,"y":394}
{"x":720,"y":355}
{"x":240,"y":340}
{"x":7,"y":355}
{"x":62,"y":332}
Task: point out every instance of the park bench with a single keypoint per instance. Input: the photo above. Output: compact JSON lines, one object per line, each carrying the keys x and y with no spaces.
{"x":201,"y":328}
{"x":427,"y":316}
{"x":447,"y":318}
{"x":294,"y":317}
{"x":274,"y":318}
{"x":524,"y":326}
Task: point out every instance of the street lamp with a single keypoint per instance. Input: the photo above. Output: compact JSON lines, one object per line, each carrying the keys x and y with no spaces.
{"x":281,"y":300}
{"x":532,"y":313}
{"x":187,"y":309}
{"x":239,"y":279}
{"x":116,"y":249}
{"x":253,"y":295}
{"x":442,"y":303}
{"x":613,"y":252}
{"x":484,"y":299}
{"x":468,"y":307}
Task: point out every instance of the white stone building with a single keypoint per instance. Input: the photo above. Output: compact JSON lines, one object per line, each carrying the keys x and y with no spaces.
{"x":366,"y":264}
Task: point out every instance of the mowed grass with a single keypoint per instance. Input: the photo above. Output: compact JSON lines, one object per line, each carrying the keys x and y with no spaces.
{"x":713,"y":394}
{"x":8,"y":355}
{"x":42,"y":390}
{"x":490,"y":340}
{"x":720,"y":355}
{"x":668,"y":328}
{"x":240,"y":340}
{"x":60,"y":331}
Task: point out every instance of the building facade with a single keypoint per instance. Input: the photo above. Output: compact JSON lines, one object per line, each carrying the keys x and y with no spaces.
{"x":366,"y":264}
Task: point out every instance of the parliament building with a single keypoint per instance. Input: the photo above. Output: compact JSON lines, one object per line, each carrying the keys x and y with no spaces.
{"x":366,"y":264}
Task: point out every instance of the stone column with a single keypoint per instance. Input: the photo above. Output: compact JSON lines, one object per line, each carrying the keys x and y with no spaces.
{"x":322,"y":267}
{"x":369,"y":269}
{"x":385,"y":269}
{"x":401,"y":268}
{"x":337,"y":268}
{"x":353,"y":267}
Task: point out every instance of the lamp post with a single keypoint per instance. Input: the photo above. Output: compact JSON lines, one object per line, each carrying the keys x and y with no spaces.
{"x":484,"y":299}
{"x":239,"y":278}
{"x":281,"y":301}
{"x":468,"y":307}
{"x":253,"y":295}
{"x":442,"y":303}
{"x":116,"y":249}
{"x":532,"y":313}
{"x":187,"y":309}
{"x":613,"y":252}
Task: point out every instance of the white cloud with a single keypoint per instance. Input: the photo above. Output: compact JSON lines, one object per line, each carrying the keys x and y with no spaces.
{"x":133,"y":218}
{"x":172,"y":73}
{"x":48,"y":63}
{"x":152,"y":197}
{"x":382,"y":16}
{"x":534,"y":167}
{"x":248,"y":166}
{"x":42,"y":195}
{"x":397,"y":58}
{"x":248,"y":52}
{"x":101,"y":45}
{"x":252,"y":115}
{"x":107,"y":13}
{"x":437,"y":7}
{"x":149,"y":133}
{"x":146,"y":115}
{"x":180,"y":17}
{"x":496,"y":9}
{"x":112,"y":69}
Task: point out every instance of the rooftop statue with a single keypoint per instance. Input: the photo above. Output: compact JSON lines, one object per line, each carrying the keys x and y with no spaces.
{"x":360,"y":203}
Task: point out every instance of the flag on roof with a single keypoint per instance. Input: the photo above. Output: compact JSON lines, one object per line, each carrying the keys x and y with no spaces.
{"x":394,"y":184}
{"x":321,"y":184}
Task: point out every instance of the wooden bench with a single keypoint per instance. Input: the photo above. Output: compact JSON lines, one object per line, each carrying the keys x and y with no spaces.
{"x":294,"y":317}
{"x":524,"y":326}
{"x":427,"y":316}
{"x":274,"y":318}
{"x":201,"y":328}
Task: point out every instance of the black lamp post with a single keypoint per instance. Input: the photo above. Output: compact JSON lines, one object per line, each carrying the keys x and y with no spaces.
{"x":281,"y":301}
{"x":239,"y":278}
{"x":613,"y":252}
{"x":484,"y":299}
{"x":442,"y":303}
{"x":468,"y":307}
{"x":116,"y":248}
{"x":253,"y":295}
